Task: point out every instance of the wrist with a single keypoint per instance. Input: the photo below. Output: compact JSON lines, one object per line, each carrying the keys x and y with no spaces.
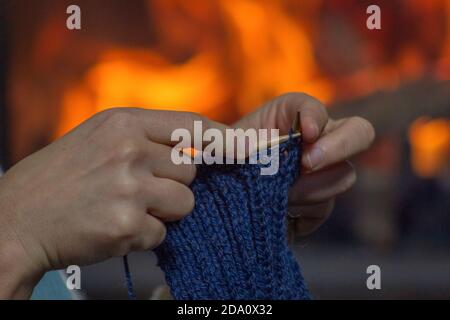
{"x":18,"y":272}
{"x":18,"y":275}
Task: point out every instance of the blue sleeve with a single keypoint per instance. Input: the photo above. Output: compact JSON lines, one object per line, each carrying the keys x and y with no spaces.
{"x":52,"y":287}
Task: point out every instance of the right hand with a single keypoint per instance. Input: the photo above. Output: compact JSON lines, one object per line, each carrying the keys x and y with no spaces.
{"x":103,"y":190}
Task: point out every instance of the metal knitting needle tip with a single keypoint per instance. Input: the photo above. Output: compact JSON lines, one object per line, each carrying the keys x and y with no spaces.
{"x":295,"y":134}
{"x":296,"y":124}
{"x":271,"y":143}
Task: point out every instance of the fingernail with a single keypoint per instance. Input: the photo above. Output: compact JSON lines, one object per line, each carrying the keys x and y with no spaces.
{"x":315,"y":157}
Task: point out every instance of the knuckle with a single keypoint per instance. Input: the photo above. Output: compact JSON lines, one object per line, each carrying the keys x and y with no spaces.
{"x":104,"y":114}
{"x":310,"y":103}
{"x":124,"y":225}
{"x":294,"y":95}
{"x":302,"y":97}
{"x":191,"y":117}
{"x":119,"y":117}
{"x":288,"y":98}
{"x":186,"y":120}
{"x":128,"y":186}
{"x":194,"y":116}
{"x":127,"y":150}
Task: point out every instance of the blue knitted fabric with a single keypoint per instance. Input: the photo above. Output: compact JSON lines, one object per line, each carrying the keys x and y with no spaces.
{"x":234,"y":244}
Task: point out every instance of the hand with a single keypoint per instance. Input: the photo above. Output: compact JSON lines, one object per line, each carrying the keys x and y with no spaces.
{"x":102,"y":190}
{"x":328,"y":146}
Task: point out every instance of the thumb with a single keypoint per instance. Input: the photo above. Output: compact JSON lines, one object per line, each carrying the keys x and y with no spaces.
{"x":281,"y":112}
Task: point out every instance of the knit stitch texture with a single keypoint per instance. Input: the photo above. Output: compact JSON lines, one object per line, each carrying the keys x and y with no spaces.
{"x":234,"y":245}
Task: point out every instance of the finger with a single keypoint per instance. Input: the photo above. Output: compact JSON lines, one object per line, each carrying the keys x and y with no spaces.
{"x":350,"y":137}
{"x":313,"y":118}
{"x":319,"y":186}
{"x":313,"y":114}
{"x":169,"y":200}
{"x":151,"y":234}
{"x":160,"y":124}
{"x":163,"y":166}
{"x":280,"y":113}
{"x":309,"y":218}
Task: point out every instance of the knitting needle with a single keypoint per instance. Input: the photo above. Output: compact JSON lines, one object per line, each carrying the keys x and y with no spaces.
{"x":296,"y":133}
{"x":263,"y":145}
{"x":268,"y":144}
{"x":296,"y":124}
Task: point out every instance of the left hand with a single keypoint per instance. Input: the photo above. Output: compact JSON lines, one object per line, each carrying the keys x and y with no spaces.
{"x":328,"y":146}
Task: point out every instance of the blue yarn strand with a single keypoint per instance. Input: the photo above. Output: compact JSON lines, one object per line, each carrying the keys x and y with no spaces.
{"x":128,"y":279}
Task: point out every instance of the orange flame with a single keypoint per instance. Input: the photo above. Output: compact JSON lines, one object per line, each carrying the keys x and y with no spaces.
{"x":136,"y":78}
{"x":430,"y":146}
{"x":271,"y":54}
{"x":227,"y":57}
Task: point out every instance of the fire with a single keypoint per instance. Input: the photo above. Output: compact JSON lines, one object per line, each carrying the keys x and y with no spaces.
{"x":224,"y":58}
{"x":253,"y":62}
{"x":137,"y":78}
{"x":430,"y":146}
{"x":275,"y":51}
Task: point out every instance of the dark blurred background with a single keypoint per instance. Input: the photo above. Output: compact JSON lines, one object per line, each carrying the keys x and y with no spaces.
{"x":224,"y":58}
